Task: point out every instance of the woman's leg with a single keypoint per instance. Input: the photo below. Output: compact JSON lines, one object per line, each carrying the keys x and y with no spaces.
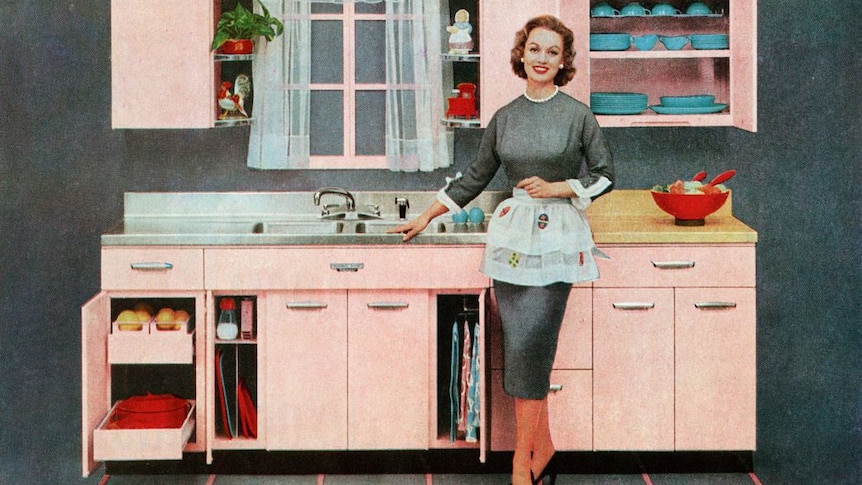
{"x":528,"y":413}
{"x":543,"y":444}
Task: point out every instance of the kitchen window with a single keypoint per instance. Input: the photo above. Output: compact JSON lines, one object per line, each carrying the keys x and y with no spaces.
{"x":352,"y":85}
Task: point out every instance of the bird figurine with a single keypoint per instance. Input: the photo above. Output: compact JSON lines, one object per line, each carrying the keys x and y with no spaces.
{"x":233,"y":104}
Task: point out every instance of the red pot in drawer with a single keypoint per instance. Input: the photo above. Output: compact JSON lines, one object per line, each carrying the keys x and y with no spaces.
{"x":152,"y":411}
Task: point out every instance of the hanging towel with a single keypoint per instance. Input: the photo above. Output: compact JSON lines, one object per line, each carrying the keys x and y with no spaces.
{"x":466,"y":354}
{"x":454,"y":400}
{"x":473,"y":417}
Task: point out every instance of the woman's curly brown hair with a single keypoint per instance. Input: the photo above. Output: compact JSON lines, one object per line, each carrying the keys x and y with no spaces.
{"x":555,"y":25}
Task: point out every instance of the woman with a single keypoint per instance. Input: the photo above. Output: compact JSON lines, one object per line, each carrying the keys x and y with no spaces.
{"x":539,"y":242}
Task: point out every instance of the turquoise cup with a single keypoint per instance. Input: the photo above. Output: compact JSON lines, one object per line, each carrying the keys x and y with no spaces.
{"x":664,"y":9}
{"x":603,"y":10}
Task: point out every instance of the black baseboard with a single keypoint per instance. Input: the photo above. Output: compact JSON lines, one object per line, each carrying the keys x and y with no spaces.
{"x":434,"y":461}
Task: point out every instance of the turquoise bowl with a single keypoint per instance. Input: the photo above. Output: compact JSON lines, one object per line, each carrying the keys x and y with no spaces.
{"x":674,"y":43}
{"x":645,"y":42}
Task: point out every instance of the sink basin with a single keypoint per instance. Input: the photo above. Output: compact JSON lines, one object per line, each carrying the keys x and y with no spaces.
{"x":309,"y":228}
{"x":380,"y":227}
{"x":341,"y":227}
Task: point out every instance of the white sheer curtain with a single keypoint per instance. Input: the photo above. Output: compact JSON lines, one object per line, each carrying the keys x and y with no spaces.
{"x":415,"y":104}
{"x":279,"y":136}
{"x":415,"y":80}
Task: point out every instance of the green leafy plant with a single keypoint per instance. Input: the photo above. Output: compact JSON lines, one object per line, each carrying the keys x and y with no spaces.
{"x":241,"y":23}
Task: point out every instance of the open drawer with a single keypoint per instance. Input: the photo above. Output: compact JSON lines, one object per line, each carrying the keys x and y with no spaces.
{"x":151,"y":346}
{"x":141,"y":444}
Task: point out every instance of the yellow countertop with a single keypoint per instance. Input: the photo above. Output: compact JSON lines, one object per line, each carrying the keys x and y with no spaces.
{"x":631,"y":217}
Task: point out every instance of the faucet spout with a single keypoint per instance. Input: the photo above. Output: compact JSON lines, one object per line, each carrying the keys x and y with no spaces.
{"x":350,"y":203}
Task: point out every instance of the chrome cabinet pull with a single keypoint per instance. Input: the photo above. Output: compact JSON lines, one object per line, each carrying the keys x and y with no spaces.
{"x":715,"y":305}
{"x":672,"y":264}
{"x":306,"y":305}
{"x":152,"y":266}
{"x":555,"y":388}
{"x":634,"y":305}
{"x":347,"y":267}
{"x":388,"y":305}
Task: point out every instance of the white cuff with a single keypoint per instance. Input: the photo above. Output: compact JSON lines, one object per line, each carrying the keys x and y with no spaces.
{"x":594,"y":190}
{"x":443,"y":198}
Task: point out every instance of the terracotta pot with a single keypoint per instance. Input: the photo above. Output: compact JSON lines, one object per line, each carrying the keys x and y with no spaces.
{"x":237,"y":46}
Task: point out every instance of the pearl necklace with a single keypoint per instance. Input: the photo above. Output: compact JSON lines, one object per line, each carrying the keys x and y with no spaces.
{"x":543,"y":100}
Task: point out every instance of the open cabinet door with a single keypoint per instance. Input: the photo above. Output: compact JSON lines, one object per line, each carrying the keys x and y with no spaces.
{"x":95,"y":385}
{"x":484,"y":409}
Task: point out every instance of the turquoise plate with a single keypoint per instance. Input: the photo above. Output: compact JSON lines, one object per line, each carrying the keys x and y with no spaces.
{"x":691,"y":110}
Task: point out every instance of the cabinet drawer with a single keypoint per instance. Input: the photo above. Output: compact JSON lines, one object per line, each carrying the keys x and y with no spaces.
{"x":345,"y":267}
{"x":141,"y":444}
{"x":670,"y":266}
{"x":152,"y":269}
{"x":150,"y":346}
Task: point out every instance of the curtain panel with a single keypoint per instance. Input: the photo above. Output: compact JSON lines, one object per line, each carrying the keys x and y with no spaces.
{"x":415,"y":140}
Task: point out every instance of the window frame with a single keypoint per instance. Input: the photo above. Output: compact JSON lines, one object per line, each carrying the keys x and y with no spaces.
{"x":349,"y":89}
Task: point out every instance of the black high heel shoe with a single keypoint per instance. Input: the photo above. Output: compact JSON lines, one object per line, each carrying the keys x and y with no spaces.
{"x":548,"y":475}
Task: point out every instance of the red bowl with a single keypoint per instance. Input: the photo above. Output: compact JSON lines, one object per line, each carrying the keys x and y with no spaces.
{"x":689,"y":209}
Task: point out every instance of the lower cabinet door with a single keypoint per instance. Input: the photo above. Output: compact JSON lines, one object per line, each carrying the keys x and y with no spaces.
{"x":633,"y":365}
{"x":570,"y":411}
{"x":715,"y":369}
{"x":388,"y":362}
{"x":305,"y":347}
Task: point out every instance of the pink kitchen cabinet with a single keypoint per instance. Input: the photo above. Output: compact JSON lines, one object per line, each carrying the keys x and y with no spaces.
{"x":389,"y":369}
{"x":305,"y":361}
{"x":162,"y":70}
{"x":134,"y":364}
{"x":729,"y":74}
{"x":716,"y":369}
{"x":633,"y":369}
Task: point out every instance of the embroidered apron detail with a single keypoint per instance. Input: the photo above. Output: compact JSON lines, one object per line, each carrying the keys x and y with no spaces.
{"x":514,"y":259}
{"x":526,"y":248}
{"x":543,"y":221}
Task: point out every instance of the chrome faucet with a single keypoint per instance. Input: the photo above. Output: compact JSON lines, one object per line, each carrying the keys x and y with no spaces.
{"x":350,"y":204}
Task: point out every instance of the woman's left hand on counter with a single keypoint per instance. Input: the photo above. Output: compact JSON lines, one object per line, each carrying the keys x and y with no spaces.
{"x":538,"y":188}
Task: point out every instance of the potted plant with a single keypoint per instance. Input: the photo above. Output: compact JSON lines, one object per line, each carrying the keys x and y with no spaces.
{"x":237,"y":29}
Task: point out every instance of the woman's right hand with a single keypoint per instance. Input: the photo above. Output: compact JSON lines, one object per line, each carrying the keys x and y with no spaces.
{"x":417,"y":225}
{"x":411,"y":229}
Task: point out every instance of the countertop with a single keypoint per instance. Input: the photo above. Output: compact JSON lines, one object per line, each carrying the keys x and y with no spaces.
{"x":231,"y":219}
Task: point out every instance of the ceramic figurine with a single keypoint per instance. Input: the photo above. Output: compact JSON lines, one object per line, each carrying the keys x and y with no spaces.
{"x":460,"y":41}
{"x":233,"y":105}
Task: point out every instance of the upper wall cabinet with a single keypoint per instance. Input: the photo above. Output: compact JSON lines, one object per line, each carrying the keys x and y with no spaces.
{"x":162,"y":70}
{"x":703,"y":65}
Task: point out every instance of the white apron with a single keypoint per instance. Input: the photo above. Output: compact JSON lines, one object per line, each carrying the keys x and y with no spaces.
{"x":536,"y":242}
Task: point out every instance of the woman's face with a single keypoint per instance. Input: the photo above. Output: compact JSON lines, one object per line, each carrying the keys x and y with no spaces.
{"x":543,"y":54}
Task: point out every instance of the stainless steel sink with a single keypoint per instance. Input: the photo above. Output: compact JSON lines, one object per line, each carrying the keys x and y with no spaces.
{"x":306,"y":228}
{"x":341,"y":227}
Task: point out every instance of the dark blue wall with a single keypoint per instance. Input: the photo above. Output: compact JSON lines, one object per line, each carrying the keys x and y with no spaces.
{"x":63,"y":172}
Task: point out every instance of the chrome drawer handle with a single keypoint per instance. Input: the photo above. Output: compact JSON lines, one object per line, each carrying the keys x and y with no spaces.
{"x":152,"y":266}
{"x":306,"y":305}
{"x":388,"y":305}
{"x":555,"y":388}
{"x":634,"y":305}
{"x":673,"y":264}
{"x":347,"y":267}
{"x":715,"y":305}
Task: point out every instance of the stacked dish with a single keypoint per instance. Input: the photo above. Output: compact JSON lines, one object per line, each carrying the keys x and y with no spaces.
{"x":695,"y":104}
{"x":609,"y":42}
{"x":618,"y":103}
{"x":709,"y":41}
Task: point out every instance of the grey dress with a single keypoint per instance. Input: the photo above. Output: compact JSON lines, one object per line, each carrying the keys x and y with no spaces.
{"x":557,"y":140}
